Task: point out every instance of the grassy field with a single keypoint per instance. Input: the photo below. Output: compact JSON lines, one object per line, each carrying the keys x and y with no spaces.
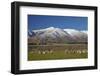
{"x":52,"y":52}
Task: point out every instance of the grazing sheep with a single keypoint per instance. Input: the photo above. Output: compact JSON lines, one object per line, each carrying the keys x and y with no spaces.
{"x":80,"y":52}
{"x":39,"y":52}
{"x":43,"y":52}
{"x":51,"y":51}
{"x":84,"y":51}
{"x":66,"y":51}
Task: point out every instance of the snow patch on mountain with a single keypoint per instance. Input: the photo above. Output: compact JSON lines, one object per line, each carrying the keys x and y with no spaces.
{"x":85,"y":32}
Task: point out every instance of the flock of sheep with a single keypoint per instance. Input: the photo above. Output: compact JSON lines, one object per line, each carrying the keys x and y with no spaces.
{"x":79,"y":49}
{"x":52,"y":51}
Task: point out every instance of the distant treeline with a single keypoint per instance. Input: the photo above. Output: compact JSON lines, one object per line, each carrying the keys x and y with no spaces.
{"x":77,"y":43}
{"x":60,"y":43}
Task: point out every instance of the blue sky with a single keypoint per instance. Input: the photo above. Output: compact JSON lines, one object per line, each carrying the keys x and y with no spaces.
{"x":65,"y":22}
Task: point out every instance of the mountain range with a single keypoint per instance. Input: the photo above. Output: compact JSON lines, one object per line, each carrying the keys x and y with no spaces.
{"x":57,"y":35}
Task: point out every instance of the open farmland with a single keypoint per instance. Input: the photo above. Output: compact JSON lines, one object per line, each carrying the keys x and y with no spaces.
{"x":54,"y":51}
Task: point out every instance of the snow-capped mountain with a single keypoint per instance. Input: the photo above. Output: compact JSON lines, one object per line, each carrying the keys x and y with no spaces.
{"x":58,"y":35}
{"x":51,"y":32}
{"x":77,"y":35}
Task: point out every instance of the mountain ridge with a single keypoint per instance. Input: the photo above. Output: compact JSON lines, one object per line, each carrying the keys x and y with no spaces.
{"x":57,"y":35}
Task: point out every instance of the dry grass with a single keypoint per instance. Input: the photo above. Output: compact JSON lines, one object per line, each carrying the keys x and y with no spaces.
{"x":52,"y":52}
